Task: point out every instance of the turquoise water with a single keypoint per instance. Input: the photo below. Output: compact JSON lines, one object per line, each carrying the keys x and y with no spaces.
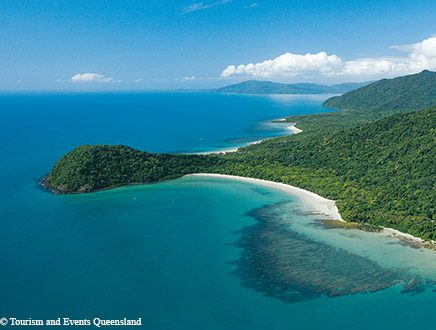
{"x":172,"y":253}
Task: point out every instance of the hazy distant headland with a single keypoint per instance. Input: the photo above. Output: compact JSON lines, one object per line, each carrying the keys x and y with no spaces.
{"x":269,"y":87}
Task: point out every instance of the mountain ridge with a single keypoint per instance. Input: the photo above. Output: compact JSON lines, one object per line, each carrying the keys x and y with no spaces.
{"x":411,"y":92}
{"x":269,"y":87}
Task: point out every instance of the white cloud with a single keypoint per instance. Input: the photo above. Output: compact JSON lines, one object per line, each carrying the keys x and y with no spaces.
{"x":139,"y":80}
{"x":90,"y":77}
{"x":288,"y":65}
{"x":189,"y":78}
{"x":420,"y":56}
{"x":201,"y":6}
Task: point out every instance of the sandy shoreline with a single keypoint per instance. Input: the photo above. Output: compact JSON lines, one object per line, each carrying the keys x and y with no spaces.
{"x":225,"y":151}
{"x":291,"y":128}
{"x":390,"y":232}
{"x":311,"y":200}
{"x":317,"y":203}
{"x":294,"y":130}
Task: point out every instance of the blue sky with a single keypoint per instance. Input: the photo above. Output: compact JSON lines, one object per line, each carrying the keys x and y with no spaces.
{"x":149,"y":44}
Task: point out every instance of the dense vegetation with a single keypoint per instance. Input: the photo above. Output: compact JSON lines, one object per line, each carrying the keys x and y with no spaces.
{"x":90,"y":168}
{"x":413,"y":92}
{"x":380,"y":172}
{"x":269,"y":87}
{"x":372,"y":102}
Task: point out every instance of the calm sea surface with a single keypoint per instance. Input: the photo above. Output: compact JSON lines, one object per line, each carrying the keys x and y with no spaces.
{"x":194,"y":253}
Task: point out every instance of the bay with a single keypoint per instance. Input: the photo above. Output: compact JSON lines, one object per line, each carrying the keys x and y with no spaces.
{"x":171,"y":252}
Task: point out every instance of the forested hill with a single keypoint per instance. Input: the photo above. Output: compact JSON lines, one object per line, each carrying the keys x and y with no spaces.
{"x":269,"y":87}
{"x":380,"y":169}
{"x":381,"y":173}
{"x":90,"y":168}
{"x":372,"y":102}
{"x":413,"y":92}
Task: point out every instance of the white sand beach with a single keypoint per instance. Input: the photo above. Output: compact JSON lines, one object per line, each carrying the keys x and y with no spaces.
{"x":291,"y":128}
{"x":222,"y":151}
{"x":403,"y":236}
{"x":311,"y":200}
{"x":316,"y":203}
{"x":294,"y":130}
{"x":225,"y":151}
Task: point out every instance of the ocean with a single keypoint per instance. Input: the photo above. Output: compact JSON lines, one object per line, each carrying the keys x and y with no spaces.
{"x":193,"y":253}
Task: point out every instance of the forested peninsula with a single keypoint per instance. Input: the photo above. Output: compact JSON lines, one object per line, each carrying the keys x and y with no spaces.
{"x":375,"y":157}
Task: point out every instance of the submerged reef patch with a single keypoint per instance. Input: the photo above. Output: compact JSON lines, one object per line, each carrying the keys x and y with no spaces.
{"x":284,"y":264}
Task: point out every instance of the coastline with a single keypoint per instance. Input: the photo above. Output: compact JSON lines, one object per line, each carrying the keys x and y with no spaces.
{"x":319,"y":204}
{"x":225,"y":151}
{"x":292,"y":128}
{"x":325,"y":207}
{"x":413,"y":240}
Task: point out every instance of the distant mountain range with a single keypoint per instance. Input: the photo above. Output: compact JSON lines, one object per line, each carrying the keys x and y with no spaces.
{"x":269,"y":87}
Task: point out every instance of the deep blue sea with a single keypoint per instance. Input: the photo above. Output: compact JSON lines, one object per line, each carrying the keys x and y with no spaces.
{"x":193,"y":253}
